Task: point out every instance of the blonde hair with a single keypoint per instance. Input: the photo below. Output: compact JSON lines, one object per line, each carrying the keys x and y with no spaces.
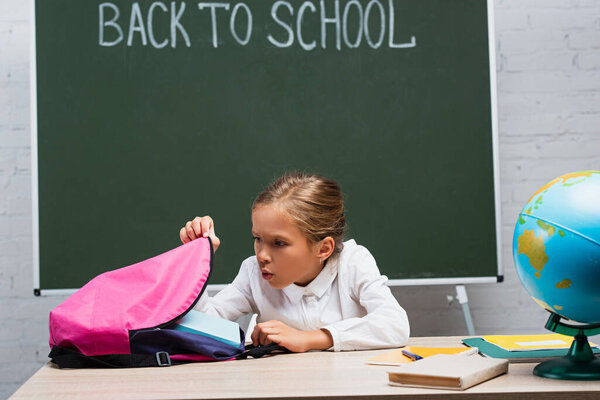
{"x":313,"y":203}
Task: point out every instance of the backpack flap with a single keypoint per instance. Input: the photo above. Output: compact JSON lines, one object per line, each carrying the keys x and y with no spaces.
{"x":99,"y":317}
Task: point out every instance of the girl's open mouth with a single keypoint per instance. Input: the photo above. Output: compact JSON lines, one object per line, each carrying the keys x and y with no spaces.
{"x":267,"y":275}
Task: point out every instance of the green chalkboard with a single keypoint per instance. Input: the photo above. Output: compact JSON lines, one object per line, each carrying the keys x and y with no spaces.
{"x":149,"y":113}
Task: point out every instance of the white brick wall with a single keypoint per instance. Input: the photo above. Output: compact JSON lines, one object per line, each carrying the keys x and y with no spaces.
{"x":548,"y":65}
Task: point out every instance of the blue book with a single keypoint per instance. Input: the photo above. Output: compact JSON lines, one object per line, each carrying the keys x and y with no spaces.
{"x":209,"y":325}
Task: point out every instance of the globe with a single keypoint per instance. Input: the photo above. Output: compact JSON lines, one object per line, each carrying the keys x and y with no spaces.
{"x":556,"y":246}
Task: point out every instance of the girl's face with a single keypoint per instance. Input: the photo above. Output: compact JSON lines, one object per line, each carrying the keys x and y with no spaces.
{"x":284,"y":254}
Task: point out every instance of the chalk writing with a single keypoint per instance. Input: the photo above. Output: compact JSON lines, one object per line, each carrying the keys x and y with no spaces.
{"x":346,"y":23}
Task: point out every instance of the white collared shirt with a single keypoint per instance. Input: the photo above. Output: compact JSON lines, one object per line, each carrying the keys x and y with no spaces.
{"x":349,"y":298}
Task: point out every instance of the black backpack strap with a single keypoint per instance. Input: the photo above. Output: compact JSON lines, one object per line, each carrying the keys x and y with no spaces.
{"x":67,"y":358}
{"x":259,"y":351}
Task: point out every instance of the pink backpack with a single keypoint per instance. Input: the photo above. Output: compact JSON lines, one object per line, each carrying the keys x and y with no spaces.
{"x":121,"y":318}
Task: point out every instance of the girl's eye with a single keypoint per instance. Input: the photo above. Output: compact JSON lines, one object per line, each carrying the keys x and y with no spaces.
{"x":279,"y":243}
{"x":256,"y":239}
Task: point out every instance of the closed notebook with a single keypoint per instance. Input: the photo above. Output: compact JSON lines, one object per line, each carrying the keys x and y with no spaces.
{"x":531,"y":342}
{"x":444,"y":371}
{"x":396,"y":357}
{"x":208,"y":325}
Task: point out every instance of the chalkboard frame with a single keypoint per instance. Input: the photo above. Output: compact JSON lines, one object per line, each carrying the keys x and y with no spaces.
{"x":38,"y":291}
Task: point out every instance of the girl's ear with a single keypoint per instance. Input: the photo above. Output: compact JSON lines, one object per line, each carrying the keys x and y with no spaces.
{"x":325,"y":248}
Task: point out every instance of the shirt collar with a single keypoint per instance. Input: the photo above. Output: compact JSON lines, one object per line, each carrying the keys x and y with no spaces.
{"x":317,"y":287}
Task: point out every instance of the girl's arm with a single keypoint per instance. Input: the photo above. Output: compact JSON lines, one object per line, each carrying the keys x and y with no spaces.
{"x":386,"y":323}
{"x":233,"y":301}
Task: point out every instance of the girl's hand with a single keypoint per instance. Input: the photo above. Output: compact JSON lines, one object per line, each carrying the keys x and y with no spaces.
{"x":199,"y":227}
{"x":290,"y":338}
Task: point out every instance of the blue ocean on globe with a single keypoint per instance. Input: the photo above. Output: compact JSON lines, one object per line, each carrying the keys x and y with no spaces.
{"x":556,"y":246}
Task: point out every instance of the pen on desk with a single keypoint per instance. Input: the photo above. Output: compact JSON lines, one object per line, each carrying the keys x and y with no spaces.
{"x":412,"y":356}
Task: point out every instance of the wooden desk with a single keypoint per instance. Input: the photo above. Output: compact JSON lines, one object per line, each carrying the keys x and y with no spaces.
{"x":309,"y":375}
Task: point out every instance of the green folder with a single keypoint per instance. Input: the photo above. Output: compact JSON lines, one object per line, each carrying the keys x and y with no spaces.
{"x":491,"y":350}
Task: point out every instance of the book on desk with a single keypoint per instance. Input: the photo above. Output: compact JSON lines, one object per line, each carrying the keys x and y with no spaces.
{"x":448,"y":371}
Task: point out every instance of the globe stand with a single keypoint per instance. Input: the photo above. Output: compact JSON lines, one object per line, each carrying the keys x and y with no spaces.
{"x":580,"y":363}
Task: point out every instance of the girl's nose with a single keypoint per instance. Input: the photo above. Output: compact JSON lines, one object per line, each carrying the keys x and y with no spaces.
{"x":263,"y":256}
